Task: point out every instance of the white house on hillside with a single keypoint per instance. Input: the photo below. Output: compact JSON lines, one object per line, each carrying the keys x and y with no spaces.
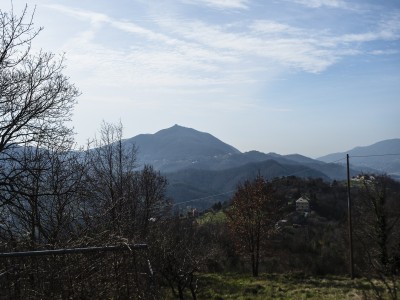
{"x":303,"y":204}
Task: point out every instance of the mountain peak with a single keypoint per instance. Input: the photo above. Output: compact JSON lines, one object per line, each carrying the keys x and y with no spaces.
{"x":179,"y":146}
{"x":177,"y":128}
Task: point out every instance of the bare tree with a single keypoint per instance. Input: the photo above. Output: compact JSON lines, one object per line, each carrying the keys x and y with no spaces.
{"x":44,"y":198}
{"x":45,"y":195}
{"x":151,"y":198}
{"x":252,"y":218}
{"x":36,"y":99}
{"x":17,"y":33}
{"x":377,"y":230}
{"x":178,"y":253}
{"x":112,"y":168}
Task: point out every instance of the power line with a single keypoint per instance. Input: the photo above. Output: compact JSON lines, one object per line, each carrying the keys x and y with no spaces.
{"x":332,"y":162}
{"x":376,"y":155}
{"x":231,"y":191}
{"x":290,"y":174}
{"x":203,"y":198}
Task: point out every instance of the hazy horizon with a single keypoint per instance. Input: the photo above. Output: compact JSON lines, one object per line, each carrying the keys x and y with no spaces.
{"x":289,"y":76}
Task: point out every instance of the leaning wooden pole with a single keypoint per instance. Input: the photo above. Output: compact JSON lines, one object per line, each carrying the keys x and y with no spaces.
{"x":349,"y":220}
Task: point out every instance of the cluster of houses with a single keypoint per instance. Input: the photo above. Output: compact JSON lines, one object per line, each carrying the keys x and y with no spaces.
{"x":363,"y":178}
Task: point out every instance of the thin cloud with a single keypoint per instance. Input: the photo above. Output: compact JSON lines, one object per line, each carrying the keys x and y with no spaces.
{"x":92,"y":17}
{"x":166,"y":62}
{"x":390,"y":26}
{"x":268,"y":26}
{"x":221,"y":4}
{"x":321,"y":3}
{"x":387,"y":30}
{"x":298,"y":51}
{"x":384,"y":52}
{"x":175,"y":53}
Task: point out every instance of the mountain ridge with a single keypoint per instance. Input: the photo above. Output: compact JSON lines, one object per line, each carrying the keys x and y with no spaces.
{"x":382,"y":156}
{"x":198,"y":165}
{"x":178,"y":147}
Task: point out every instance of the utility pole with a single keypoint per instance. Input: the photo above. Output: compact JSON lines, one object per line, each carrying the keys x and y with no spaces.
{"x":349,"y":219}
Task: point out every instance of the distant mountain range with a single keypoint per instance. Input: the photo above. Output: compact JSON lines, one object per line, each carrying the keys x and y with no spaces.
{"x":383,"y":157}
{"x":200,"y":166}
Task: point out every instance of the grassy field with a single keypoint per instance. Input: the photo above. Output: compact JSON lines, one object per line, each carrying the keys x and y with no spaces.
{"x":234,"y":286}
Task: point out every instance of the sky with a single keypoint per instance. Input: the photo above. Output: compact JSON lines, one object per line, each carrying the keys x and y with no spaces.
{"x":286,"y":76}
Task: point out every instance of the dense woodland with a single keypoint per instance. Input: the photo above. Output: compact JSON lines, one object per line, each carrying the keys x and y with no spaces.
{"x":53,"y":196}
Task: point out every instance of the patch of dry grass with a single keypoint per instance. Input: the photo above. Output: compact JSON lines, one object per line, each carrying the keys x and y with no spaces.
{"x":273,"y":286}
